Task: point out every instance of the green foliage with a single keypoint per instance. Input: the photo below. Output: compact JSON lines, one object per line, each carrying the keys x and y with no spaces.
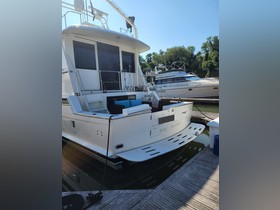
{"x":205,"y":63}
{"x":210,"y":52}
{"x":175,"y":54}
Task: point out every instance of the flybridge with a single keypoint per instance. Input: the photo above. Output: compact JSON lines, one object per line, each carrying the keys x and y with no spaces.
{"x":87,"y":14}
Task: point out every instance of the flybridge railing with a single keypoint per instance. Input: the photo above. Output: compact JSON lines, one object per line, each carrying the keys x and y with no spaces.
{"x":88,"y":15}
{"x":129,"y":20}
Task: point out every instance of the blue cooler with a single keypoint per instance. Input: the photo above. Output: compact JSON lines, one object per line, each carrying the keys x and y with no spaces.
{"x":216,"y":145}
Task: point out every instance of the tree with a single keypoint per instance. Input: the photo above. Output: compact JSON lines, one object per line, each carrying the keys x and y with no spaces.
{"x":190,"y":58}
{"x":205,"y":60}
{"x":210,"y":53}
{"x":143,"y":64}
{"x":175,"y":54}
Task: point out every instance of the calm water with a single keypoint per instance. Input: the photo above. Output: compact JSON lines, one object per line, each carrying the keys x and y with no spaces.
{"x":206,"y":108}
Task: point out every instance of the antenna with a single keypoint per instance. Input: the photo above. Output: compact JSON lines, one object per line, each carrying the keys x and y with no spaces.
{"x":92,"y":12}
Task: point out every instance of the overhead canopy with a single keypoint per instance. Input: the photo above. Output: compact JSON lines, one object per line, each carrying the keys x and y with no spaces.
{"x":104,"y":34}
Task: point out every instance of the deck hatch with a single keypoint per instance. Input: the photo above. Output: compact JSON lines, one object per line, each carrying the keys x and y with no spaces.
{"x":166,"y":119}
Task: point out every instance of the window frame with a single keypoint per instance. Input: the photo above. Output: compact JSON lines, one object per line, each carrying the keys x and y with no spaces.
{"x":83,"y":42}
{"x":122,"y":60}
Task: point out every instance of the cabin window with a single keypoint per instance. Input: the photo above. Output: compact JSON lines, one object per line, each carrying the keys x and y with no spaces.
{"x":192,"y":78}
{"x":170,"y":80}
{"x":108,"y":57}
{"x":84,"y":55}
{"x":158,"y":82}
{"x":110,"y":80}
{"x":178,"y":79}
{"x":128,"y":62}
{"x":109,"y":66}
{"x":163,"y":81}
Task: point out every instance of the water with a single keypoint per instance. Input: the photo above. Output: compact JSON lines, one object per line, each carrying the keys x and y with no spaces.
{"x":83,"y":172}
{"x":206,"y":108}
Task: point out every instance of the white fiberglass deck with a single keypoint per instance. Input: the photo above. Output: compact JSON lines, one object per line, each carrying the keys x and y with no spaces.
{"x":166,"y":145}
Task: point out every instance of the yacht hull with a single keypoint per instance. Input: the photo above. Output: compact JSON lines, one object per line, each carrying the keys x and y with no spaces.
{"x":188,"y":92}
{"x":135,"y":137}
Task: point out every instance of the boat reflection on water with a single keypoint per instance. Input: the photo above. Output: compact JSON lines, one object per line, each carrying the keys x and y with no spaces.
{"x":83,"y":172}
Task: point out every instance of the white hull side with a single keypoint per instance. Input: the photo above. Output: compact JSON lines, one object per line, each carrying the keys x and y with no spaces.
{"x":89,"y":132}
{"x":126,"y":132}
{"x":187,"y":92}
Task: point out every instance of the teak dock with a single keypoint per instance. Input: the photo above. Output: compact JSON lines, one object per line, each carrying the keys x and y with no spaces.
{"x":194,"y":186}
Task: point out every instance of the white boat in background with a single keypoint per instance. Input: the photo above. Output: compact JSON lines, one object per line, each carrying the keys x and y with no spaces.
{"x":175,"y":82}
{"x":107,"y":106}
{"x":180,"y":84}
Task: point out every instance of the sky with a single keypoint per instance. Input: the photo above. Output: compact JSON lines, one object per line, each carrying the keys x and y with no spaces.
{"x":163,"y":24}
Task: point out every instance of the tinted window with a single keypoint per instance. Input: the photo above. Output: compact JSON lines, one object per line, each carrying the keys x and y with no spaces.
{"x":158,"y":82}
{"x":192,"y":78}
{"x":128,"y":62}
{"x":170,"y":80}
{"x":84,"y":55}
{"x":178,"y":79}
{"x":110,"y":80}
{"x":164,"y":81}
{"x":108,"y":57}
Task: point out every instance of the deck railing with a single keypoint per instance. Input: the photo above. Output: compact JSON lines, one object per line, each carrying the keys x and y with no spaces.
{"x":85,"y":15}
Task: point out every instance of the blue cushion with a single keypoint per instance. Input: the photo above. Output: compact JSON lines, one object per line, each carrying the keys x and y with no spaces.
{"x":125,"y":103}
{"x":136,"y":102}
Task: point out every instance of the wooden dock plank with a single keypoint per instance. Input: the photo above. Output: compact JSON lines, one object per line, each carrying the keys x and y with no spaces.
{"x":188,"y":188}
{"x":179,"y":195}
{"x":201,"y":181}
{"x":204,"y":171}
{"x":202,"y":190}
{"x":162,"y":200}
{"x":125,"y":201}
{"x":115,"y":199}
{"x":194,"y":186}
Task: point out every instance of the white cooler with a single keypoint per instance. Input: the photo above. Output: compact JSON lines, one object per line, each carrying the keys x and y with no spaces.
{"x":214,"y":130}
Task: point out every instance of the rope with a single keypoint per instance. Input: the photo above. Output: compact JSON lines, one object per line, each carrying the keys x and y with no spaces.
{"x":93,"y":198}
{"x":202,"y":112}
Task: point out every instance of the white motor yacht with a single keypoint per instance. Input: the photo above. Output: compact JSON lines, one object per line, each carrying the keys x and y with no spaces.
{"x":177,"y":83}
{"x":107,"y":106}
